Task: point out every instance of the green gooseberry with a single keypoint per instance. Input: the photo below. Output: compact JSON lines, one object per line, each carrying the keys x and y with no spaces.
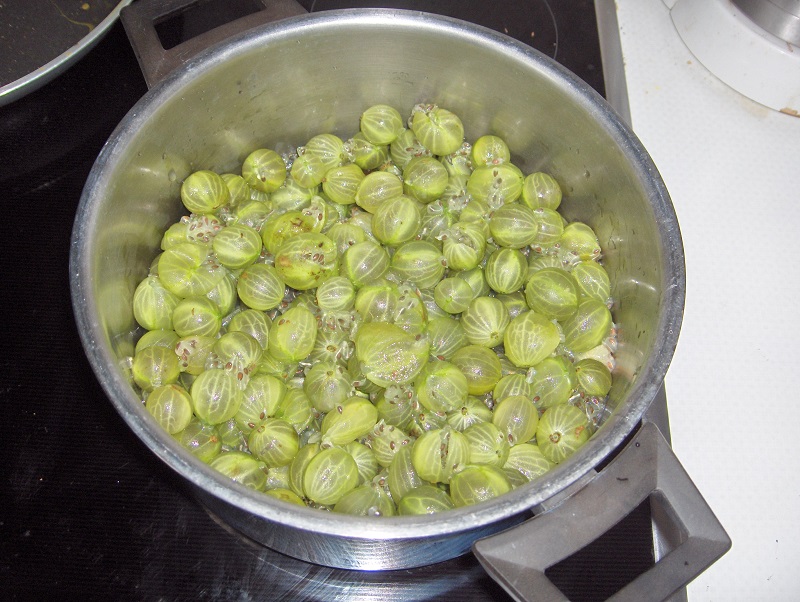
{"x":496,"y":185}
{"x":237,"y":246}
{"x":216,"y":396}
{"x":154,"y":367}
{"x":529,"y":338}
{"x":476,"y":278}
{"x":264,"y":170}
{"x":402,"y":477}
{"x":463,"y":246}
{"x":261,"y":398}
{"x":453,"y":295}
{"x":337,"y":292}
{"x":286,"y":495}
{"x":562,"y":430}
{"x":345,"y":235}
{"x":512,"y":385}
{"x":540,"y":189}
{"x":396,"y":220}
{"x":386,"y":440}
{"x":329,"y":475}
{"x":161,"y":338}
{"x":201,"y":439}
{"x":253,"y":213}
{"x":237,"y":188}
{"x":242,"y":468}
{"x":487,"y":444}
{"x":204,"y":191}
{"x":365,"y":154}
{"x":424,"y":178}
{"x":387,"y":354}
{"x":480,"y":365}
{"x":525,"y":463}
{"x":515,"y":303}
{"x":513,"y":225}
{"x":328,"y":147}
{"x":581,"y":240}
{"x":260,"y":287}
{"x":280,"y":228}
{"x":381,"y":124}
{"x":189,"y":269}
{"x":439,"y":453}
{"x":588,"y":326}
{"x":550,"y":228}
{"x":192,"y":353}
{"x":341,"y":183}
{"x":171,"y":406}
{"x":274,"y":441}
{"x":298,"y":465}
{"x":517,"y":418}
{"x":365,"y":459}
{"x":348,"y":421}
{"x":252,"y":322}
{"x":485,"y":321}
{"x":365,"y":500}
{"x":153,"y":304}
{"x":553,"y":293}
{"x":419,"y":262}
{"x":473,"y":411}
{"x":478,"y":483}
{"x":441,"y":386}
{"x":405,"y":147}
{"x":553,"y":381}
{"x":292,"y":335}
{"x":238,"y":353}
{"x":446,"y":336}
{"x":592,"y":281}
{"x":305,"y":260}
{"x":376,"y":188}
{"x":437,"y":129}
{"x":425,"y":499}
{"x":594,"y":377}
{"x":490,"y":150}
{"x":506,"y":270}
{"x":308,"y":170}
{"x":224,"y":295}
{"x":295,"y":408}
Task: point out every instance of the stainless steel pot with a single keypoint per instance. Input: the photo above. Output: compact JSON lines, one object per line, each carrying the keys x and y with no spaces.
{"x":284,"y":82}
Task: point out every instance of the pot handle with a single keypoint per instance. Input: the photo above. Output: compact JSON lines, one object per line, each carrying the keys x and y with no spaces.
{"x":646,"y":468}
{"x":141,"y":17}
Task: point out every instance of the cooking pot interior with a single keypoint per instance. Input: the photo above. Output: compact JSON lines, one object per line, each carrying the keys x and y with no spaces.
{"x":278,"y":86}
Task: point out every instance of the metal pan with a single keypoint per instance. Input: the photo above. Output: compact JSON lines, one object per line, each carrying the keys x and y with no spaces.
{"x":40,"y":40}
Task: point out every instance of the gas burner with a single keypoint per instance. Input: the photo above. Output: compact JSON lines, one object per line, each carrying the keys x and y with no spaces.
{"x":739,"y":52}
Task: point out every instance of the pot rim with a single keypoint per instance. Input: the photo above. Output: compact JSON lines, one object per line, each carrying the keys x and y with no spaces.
{"x":610,"y":435}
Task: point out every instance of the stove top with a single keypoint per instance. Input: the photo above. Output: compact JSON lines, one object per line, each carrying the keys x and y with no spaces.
{"x":86,"y":509}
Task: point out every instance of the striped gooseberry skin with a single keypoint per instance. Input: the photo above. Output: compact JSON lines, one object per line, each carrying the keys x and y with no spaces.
{"x":553,"y":293}
{"x":525,"y":463}
{"x":341,"y":183}
{"x":305,"y":260}
{"x":529,"y":338}
{"x":593,"y":376}
{"x":419,"y":262}
{"x":366,"y":500}
{"x":562,"y":430}
{"x":204,"y":191}
{"x":489,"y":150}
{"x":348,"y":421}
{"x":260,"y":287}
{"x":425,"y":499}
{"x":553,"y":381}
{"x":425,"y":179}
{"x":264,"y":170}
{"x":171,"y":406}
{"x":514,"y":226}
{"x":329,"y":475}
{"x":485,"y":321}
{"x":453,"y":295}
{"x":274,"y":441}
{"x":437,"y":129}
{"x":216,"y":396}
{"x":549,"y":229}
{"x":441,"y":386}
{"x":506,"y":270}
{"x":381,"y":124}
{"x":292,"y":335}
{"x":516,"y":417}
{"x":189,"y":269}
{"x":463,"y":246}
{"x":237,"y":246}
{"x":588,"y":326}
{"x":396,"y":220}
{"x":196,"y":316}
{"x":328,"y":147}
{"x":540,"y":189}
{"x":480,"y":365}
{"x":365,"y":262}
{"x":478,"y":483}
{"x":153,"y":304}
{"x":446,"y":336}
{"x":252,"y":322}
{"x":496,"y":185}
{"x":376,"y":188}
{"x":487,"y":444}
{"x":242,"y":468}
{"x":260,"y":400}
{"x":592,"y":281}
{"x":439,"y":453}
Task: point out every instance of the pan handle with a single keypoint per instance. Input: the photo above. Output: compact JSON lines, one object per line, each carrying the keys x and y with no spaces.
{"x":645,"y":468}
{"x":141,"y":17}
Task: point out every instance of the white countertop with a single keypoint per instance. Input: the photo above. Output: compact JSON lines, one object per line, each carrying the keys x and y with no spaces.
{"x":732,"y":168}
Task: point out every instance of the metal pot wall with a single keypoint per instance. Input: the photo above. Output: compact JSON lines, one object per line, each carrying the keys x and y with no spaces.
{"x":282,"y":83}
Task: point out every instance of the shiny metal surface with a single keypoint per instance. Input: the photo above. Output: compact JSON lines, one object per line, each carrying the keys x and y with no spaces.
{"x":781,"y":18}
{"x":281,"y":84}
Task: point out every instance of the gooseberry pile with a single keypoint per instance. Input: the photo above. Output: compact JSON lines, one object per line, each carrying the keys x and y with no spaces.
{"x":396,"y":323}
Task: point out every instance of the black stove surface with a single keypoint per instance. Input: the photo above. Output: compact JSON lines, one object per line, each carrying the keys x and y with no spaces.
{"x":86,"y":511}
